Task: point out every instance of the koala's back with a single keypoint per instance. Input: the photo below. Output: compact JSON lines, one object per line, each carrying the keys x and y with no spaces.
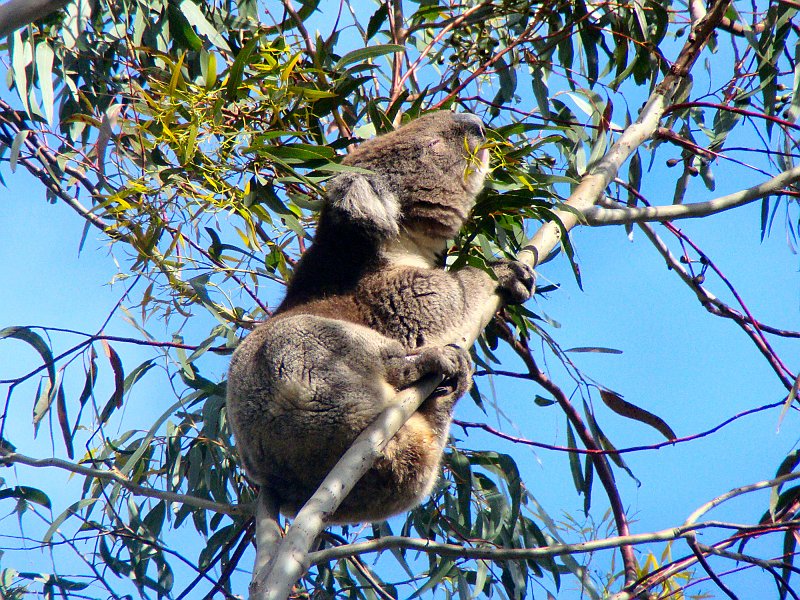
{"x":413,"y":306}
{"x":302,"y":387}
{"x":273,"y":375}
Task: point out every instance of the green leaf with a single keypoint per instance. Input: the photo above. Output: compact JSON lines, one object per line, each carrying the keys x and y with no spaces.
{"x":182,"y":30}
{"x":462,"y":473}
{"x":20,"y":59}
{"x":443,"y":569}
{"x":789,"y":546}
{"x":176,"y":80}
{"x":73,"y":508}
{"x":44,"y":398}
{"x":44,"y":73}
{"x":154,"y":521}
{"x":196,"y":17}
{"x":184,"y":403}
{"x":363,"y":54}
{"x":588,"y":478}
{"x":23,"y":492}
{"x":594,"y":349}
{"x":377,"y":20}
{"x":540,"y":91}
{"x":16,"y":145}
{"x":89,"y":381}
{"x":237,"y":68}
{"x":63,"y":420}
{"x":34,"y":340}
{"x":794,"y":109}
{"x":208,"y":67}
{"x":575,"y":462}
{"x":49,"y":581}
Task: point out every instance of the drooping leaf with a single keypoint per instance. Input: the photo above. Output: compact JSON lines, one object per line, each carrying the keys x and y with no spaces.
{"x":363,"y":54}
{"x":30,"y":494}
{"x":616,"y":403}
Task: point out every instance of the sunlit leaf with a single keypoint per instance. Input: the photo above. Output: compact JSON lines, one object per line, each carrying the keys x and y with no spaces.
{"x":363,"y":54}
{"x":195,"y":16}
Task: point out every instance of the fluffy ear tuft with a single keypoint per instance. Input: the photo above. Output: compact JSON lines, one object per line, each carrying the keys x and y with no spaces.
{"x":366,"y":201}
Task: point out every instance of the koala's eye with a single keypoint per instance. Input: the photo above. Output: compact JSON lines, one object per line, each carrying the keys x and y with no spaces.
{"x":472,"y":124}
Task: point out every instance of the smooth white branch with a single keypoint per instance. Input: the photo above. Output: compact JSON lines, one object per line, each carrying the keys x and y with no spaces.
{"x":399,"y":542}
{"x":18,"y":13}
{"x":616,"y":214}
{"x":594,"y":183}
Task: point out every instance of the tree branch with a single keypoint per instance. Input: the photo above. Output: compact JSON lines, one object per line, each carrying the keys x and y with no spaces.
{"x":697,"y":10}
{"x":399,"y":542}
{"x":18,"y":13}
{"x":715,"y":306}
{"x":600,"y":462}
{"x":617,"y":451}
{"x":10,"y":458}
{"x":598,"y":216}
{"x":698,"y":552}
{"x":647,"y":582}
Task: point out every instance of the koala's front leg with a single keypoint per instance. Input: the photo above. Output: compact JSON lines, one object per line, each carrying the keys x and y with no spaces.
{"x":515,"y":281}
{"x":513,"y":284}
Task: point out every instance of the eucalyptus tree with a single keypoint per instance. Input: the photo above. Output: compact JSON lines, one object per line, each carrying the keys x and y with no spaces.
{"x":195,"y":139}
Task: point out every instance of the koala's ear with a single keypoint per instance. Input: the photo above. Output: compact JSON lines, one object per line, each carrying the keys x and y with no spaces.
{"x":366,"y":201}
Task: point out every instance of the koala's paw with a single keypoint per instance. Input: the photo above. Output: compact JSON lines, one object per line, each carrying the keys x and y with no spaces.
{"x":456,"y":366}
{"x":452,"y":362}
{"x":515,"y":281}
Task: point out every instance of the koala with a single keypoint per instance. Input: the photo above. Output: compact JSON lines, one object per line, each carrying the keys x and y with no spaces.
{"x":369,"y":311}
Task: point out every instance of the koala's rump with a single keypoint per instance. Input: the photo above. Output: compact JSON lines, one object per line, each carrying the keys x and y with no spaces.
{"x":300,"y":389}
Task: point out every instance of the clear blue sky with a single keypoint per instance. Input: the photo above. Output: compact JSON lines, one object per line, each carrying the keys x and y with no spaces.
{"x":689,"y":367}
{"x":692,"y":369}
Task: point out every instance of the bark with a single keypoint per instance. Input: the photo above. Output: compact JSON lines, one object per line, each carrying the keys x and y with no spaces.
{"x":19,"y":13}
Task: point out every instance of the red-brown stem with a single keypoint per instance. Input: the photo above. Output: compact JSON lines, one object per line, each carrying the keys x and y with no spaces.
{"x":600,"y":462}
{"x":657,"y":446}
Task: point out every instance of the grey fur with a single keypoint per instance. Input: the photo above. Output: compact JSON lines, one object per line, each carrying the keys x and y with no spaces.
{"x":369,"y":311}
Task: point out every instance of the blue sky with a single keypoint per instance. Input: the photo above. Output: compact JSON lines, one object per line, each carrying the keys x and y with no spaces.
{"x":691,"y":368}
{"x":685,"y":365}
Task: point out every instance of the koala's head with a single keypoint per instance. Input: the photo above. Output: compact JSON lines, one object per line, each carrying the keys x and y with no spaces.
{"x":423,"y":181}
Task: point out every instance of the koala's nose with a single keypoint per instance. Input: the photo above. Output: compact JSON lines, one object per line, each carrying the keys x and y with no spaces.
{"x":472,"y":121}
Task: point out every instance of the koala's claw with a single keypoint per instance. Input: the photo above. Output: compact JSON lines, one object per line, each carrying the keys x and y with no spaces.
{"x":515,"y":281}
{"x":452,"y":362}
{"x":456,"y":366}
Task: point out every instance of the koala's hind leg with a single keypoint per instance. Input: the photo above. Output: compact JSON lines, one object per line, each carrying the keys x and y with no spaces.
{"x":409,"y":467}
{"x":452,"y":362}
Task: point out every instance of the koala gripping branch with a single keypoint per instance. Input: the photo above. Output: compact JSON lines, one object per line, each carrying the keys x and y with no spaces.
{"x":275,"y":577}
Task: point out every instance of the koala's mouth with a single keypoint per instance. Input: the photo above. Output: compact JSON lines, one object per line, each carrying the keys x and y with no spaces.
{"x":483,"y":156}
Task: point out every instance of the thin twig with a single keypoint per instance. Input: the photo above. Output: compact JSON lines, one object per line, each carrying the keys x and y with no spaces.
{"x":601,"y":464}
{"x":707,"y":568}
{"x":10,"y":458}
